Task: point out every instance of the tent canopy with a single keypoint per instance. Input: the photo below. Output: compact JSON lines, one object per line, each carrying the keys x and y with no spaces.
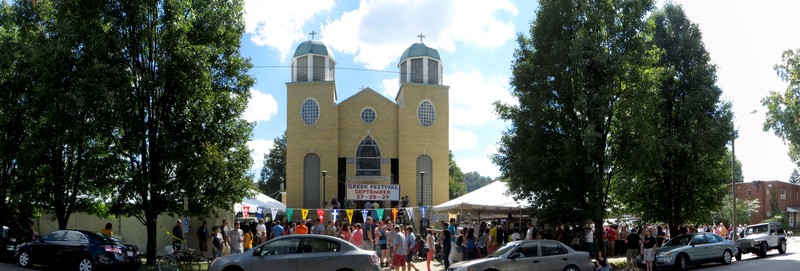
{"x":492,"y":198}
{"x":261,"y":200}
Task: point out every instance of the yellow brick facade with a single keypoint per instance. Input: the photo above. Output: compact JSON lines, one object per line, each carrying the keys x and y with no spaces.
{"x":339,"y":130}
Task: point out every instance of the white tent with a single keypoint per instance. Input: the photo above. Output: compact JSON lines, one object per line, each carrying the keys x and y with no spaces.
{"x":490,"y":199}
{"x":259,"y":200}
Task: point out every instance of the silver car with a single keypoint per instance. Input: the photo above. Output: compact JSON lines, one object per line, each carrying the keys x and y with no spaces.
{"x":544,"y":255}
{"x":694,"y":249}
{"x":300,"y":252}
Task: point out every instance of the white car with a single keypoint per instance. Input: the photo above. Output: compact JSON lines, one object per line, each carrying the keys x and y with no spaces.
{"x":300,"y":252}
{"x":544,"y":255}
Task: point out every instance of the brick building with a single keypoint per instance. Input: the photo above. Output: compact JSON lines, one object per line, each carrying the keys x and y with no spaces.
{"x":787,"y":196}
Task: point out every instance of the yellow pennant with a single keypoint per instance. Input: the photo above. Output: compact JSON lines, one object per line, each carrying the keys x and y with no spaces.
{"x":350,"y":215}
{"x":305,"y":213}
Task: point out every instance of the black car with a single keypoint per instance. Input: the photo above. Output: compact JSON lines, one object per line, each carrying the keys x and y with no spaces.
{"x":10,"y":237}
{"x":79,"y":250}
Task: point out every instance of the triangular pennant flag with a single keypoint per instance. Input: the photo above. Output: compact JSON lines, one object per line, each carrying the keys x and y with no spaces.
{"x":258,"y":212}
{"x":334,"y":214}
{"x":422,"y":210}
{"x":304,"y":212}
{"x":289,"y":212}
{"x":364,"y":213}
{"x":410,"y":213}
{"x":394,"y":214}
{"x":350,"y":215}
{"x":321,"y":214}
{"x":380,"y":214}
{"x":273,"y":212}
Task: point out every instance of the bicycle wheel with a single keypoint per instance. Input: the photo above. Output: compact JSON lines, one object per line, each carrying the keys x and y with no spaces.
{"x":168,"y":263}
{"x":200,"y":263}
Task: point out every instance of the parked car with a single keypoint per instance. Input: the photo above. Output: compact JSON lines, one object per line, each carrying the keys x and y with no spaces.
{"x":760,"y":238}
{"x":544,"y":255}
{"x":11,"y":236}
{"x":79,"y":250}
{"x":693,"y":249}
{"x":301,"y":252}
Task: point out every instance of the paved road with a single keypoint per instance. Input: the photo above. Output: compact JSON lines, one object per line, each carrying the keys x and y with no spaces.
{"x":773,"y":262}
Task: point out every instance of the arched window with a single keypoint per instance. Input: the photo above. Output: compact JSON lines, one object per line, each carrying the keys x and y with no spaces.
{"x":311,"y":185}
{"x":425,"y":189}
{"x":368,"y":158}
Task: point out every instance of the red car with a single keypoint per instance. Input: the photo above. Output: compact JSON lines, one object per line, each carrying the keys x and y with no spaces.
{"x":79,"y":250}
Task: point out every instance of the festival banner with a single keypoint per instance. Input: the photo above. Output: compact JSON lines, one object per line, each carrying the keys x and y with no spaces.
{"x":321,"y":215}
{"x":370,"y":192}
{"x":422,"y":210}
{"x":289,"y":212}
{"x":304,"y":212}
{"x":394,"y":214}
{"x":245,"y":211}
{"x":334,"y":214}
{"x":364,"y":213}
{"x":380,"y":214}
{"x":410,"y":213}
{"x":350,"y":215}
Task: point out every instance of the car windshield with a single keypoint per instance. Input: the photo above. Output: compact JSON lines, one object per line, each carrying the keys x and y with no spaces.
{"x":503,"y":250}
{"x":680,"y":240}
{"x":756,"y":229}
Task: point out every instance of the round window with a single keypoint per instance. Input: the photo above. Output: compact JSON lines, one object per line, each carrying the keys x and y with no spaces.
{"x":368,"y":115}
{"x":426,"y":113}
{"x":309,"y":111}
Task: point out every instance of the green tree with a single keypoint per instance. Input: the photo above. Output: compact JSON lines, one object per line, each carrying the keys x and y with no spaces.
{"x":456,"y":181}
{"x":582,"y":61}
{"x":795,"y":178}
{"x":179,"y":111}
{"x":783,"y":108}
{"x":687,"y":163}
{"x":273,"y":172}
{"x":473,"y":180}
{"x":744,"y":210}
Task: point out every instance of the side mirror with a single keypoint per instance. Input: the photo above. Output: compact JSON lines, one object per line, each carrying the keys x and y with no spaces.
{"x":257,"y":251}
{"x":513,"y":255}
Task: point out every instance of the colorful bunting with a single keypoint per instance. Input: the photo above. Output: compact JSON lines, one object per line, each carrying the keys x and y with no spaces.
{"x":334,"y":214}
{"x":364,"y":213}
{"x":304,"y":212}
{"x":289,"y":212}
{"x":350,"y":215}
{"x":380,"y":214}
{"x":394,"y":214}
{"x":321,"y":214}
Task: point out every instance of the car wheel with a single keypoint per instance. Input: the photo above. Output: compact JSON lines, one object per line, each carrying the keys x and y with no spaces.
{"x":738,"y":256}
{"x":24,"y":259}
{"x":763,"y":252}
{"x":782,"y":247}
{"x":571,"y":268}
{"x":85,"y":264}
{"x":683,"y":263}
{"x":726,"y":257}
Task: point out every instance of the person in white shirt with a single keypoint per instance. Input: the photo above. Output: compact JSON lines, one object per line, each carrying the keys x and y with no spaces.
{"x":262,"y":230}
{"x":236,"y":237}
{"x":529,"y":234}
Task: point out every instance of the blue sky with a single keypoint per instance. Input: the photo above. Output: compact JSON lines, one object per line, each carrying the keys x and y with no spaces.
{"x":476,"y":41}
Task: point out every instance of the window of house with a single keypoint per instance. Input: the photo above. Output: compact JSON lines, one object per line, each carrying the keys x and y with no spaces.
{"x":426,"y":113}
{"x":749,"y":193}
{"x":783,"y":194}
{"x":309,"y":111}
{"x":368,"y":158}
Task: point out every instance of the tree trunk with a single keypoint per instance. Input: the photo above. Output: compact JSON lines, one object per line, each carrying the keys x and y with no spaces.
{"x":150,"y":225}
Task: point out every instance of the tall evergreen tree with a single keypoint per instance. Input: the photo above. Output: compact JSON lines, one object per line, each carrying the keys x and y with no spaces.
{"x":581,"y":63}
{"x":273,"y":172}
{"x":795,"y":177}
{"x":687,"y":162}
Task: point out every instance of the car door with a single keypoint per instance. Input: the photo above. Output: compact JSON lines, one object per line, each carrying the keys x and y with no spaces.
{"x":319,"y":253}
{"x":71,"y":247}
{"x":699,"y":250}
{"x":553,"y":256}
{"x":279,"y":255}
{"x":773,"y":235}
{"x":525,"y":257}
{"x":715,"y":246}
{"x":45,"y":248}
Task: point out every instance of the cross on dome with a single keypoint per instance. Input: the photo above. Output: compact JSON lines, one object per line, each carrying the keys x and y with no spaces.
{"x":312,"y":34}
{"x":420,"y":36}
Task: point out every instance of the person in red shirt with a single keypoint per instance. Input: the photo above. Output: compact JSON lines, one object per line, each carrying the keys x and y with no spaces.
{"x":612,"y":240}
{"x":301,"y":228}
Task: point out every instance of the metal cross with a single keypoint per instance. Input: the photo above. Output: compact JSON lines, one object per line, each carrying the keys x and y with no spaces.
{"x":312,"y":34}
{"x":420,"y":36}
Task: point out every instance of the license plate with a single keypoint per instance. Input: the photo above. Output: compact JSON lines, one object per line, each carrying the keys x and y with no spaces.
{"x":130,"y":253}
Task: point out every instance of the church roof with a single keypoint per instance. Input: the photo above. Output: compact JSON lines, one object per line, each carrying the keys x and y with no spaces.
{"x":313,"y":47}
{"x":420,"y":49}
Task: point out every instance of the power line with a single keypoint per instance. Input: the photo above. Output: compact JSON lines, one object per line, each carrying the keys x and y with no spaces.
{"x":338,"y":68}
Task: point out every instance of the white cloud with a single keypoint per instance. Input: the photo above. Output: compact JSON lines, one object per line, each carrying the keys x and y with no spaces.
{"x":390,"y":88}
{"x":462,"y":139}
{"x":482,"y":164}
{"x":378,"y":31}
{"x":261,"y":107}
{"x":258,"y":148}
{"x":471,"y":98}
{"x":279,"y":24}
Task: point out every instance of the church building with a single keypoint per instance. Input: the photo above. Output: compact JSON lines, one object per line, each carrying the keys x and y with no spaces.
{"x":366,"y":148}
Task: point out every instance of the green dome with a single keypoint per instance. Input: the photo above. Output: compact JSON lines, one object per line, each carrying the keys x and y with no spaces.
{"x":419,"y":49}
{"x":313,"y":47}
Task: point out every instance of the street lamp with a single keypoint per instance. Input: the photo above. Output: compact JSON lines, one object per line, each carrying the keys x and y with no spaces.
{"x":324,"y":175}
{"x":733,"y":176}
{"x":421,"y":188}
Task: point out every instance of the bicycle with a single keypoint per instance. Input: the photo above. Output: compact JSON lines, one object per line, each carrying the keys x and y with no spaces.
{"x":183,"y":260}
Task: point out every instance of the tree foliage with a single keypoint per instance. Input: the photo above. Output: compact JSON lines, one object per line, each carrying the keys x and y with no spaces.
{"x":574,"y":74}
{"x":744,"y":211}
{"x":273,"y":172}
{"x":795,"y":177}
{"x":783,"y":108}
{"x":473,"y":180}
{"x":456,"y":182}
{"x":687,"y":162}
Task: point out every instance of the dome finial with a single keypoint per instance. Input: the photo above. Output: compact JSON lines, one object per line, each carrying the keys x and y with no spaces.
{"x":312,"y":34}
{"x":420,"y":36}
